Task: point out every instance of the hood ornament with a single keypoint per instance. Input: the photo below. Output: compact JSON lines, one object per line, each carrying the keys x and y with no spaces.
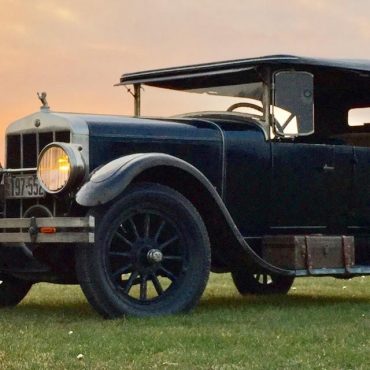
{"x":43,"y":100}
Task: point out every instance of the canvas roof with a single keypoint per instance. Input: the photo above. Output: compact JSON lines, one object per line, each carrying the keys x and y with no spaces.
{"x":184,"y":77}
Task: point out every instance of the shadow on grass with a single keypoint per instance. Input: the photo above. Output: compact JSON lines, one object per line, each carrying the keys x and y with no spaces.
{"x":82,"y":311}
{"x":279,"y":301}
{"x":50,"y":310}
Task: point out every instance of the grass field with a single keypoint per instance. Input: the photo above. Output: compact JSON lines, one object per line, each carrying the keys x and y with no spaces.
{"x":322,"y":324}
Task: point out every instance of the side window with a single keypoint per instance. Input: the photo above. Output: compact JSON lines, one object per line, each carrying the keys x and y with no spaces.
{"x":292,"y":109}
{"x":359,"y":117}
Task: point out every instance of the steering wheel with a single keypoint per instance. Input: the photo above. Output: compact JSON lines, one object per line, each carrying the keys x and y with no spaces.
{"x":245,"y":105}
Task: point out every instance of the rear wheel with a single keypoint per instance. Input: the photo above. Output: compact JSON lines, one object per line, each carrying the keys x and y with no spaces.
{"x":261,"y":283}
{"x":151,"y":255}
{"x":12,"y":290}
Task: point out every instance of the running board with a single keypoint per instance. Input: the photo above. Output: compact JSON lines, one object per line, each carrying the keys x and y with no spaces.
{"x":353,"y":271}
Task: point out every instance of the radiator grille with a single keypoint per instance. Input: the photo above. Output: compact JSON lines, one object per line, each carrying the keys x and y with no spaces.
{"x":22,"y":152}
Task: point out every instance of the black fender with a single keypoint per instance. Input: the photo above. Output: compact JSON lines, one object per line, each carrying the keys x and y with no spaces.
{"x":110,"y":180}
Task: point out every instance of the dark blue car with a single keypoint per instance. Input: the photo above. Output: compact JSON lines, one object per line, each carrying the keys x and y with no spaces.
{"x":262,"y":170}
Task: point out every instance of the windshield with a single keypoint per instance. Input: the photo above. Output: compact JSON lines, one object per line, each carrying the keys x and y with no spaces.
{"x":207,"y":95}
{"x":168,"y":102}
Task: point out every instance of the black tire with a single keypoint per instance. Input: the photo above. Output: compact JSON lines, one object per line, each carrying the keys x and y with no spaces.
{"x":151,"y":255}
{"x":261,"y":283}
{"x":12,"y":290}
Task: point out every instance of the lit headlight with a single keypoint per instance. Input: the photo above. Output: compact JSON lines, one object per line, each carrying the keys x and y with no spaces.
{"x":60,"y":165}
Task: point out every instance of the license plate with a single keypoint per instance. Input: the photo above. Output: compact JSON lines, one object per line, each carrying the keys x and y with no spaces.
{"x":23,"y":186}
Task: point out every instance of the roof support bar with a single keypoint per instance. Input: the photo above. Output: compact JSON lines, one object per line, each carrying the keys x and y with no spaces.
{"x":137,"y":97}
{"x":266,"y":99}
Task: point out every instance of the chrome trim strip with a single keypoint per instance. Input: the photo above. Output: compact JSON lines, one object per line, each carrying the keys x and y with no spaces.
{"x":17,"y":170}
{"x":61,"y":237}
{"x":68,"y":222}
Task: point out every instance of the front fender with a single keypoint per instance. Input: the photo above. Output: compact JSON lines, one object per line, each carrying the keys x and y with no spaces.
{"x":109,"y":181}
{"x":112,"y":179}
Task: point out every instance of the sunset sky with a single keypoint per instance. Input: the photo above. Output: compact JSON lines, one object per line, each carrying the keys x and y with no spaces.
{"x":76,"y":50}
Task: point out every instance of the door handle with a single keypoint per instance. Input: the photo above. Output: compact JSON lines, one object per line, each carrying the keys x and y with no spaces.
{"x":327,"y":168}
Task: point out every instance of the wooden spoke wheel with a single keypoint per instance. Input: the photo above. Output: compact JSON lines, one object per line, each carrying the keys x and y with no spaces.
{"x":261,"y":283}
{"x":151,"y":255}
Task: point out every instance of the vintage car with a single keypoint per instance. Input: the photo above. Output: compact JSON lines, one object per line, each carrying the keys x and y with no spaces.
{"x":272,"y":184}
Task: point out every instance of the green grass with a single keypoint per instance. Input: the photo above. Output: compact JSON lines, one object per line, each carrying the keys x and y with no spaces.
{"x":319,"y":325}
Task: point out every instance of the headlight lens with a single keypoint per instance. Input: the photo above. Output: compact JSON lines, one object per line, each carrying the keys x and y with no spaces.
{"x":59,"y":165}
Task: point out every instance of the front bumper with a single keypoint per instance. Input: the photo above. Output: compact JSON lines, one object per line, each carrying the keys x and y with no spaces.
{"x":47,"y":230}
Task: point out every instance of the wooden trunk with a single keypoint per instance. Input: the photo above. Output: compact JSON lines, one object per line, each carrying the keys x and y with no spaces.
{"x":300,"y":252}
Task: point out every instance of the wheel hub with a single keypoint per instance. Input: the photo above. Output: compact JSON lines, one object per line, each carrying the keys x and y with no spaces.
{"x":154,"y":256}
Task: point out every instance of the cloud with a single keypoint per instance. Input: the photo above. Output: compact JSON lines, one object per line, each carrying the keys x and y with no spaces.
{"x":51,"y":9}
{"x":66,"y":15}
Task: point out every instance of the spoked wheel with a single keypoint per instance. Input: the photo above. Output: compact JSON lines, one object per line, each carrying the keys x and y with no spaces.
{"x":151,"y":255}
{"x":146,"y":249}
{"x":261,"y":283}
{"x":12,"y":290}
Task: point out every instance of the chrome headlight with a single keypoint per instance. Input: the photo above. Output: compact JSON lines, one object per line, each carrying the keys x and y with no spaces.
{"x":60,"y":166}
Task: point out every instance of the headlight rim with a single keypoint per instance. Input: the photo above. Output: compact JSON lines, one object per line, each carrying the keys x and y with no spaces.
{"x":78,"y":168}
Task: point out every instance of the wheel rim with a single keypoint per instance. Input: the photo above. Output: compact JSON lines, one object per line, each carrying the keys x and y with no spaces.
{"x":147,"y":257}
{"x":263,"y":279}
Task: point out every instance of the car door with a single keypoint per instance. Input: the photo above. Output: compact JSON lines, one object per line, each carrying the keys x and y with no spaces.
{"x":311,"y":175}
{"x":311,"y":187}
{"x":300,"y":193}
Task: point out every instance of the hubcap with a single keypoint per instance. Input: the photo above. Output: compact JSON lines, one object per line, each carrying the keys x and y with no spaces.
{"x":154,"y":256}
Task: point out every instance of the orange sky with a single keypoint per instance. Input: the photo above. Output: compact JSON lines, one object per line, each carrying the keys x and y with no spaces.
{"x":76,"y":50}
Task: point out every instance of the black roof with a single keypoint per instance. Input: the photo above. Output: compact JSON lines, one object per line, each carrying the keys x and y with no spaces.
{"x":172,"y":77}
